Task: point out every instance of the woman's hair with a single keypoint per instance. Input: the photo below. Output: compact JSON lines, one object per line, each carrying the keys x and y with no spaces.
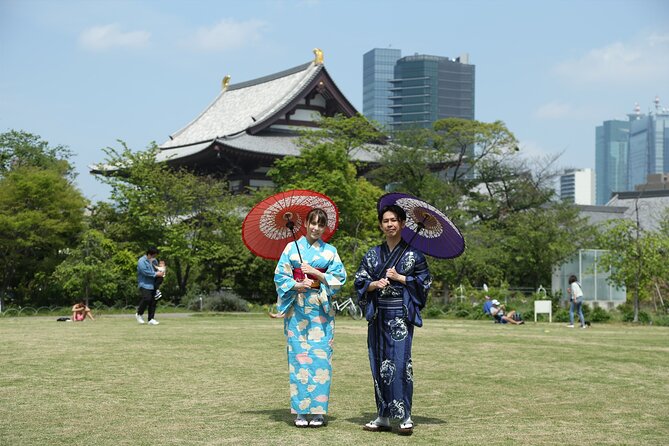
{"x":572,"y":279}
{"x":395,"y":209}
{"x":318,"y":215}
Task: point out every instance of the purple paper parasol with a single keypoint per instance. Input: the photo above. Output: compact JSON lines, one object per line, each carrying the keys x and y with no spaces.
{"x":427,"y":228}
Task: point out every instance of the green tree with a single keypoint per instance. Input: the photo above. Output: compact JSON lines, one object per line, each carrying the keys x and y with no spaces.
{"x":472,"y":171}
{"x":95,"y":268}
{"x":188,"y":217}
{"x":638,"y":258}
{"x":325,"y":166}
{"x":41,"y":216}
{"x":23,"y":149}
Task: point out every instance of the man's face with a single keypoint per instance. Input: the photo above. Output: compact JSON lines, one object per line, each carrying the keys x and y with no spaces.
{"x":390,"y":224}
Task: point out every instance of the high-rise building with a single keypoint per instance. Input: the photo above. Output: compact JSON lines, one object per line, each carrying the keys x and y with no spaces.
{"x":421,"y":89}
{"x":648,"y":145}
{"x":378,"y":68}
{"x":611,"y":149}
{"x":578,"y":186}
{"x":428,"y":88}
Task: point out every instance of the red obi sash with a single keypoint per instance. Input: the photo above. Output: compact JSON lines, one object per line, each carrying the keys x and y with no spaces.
{"x":299,"y":276}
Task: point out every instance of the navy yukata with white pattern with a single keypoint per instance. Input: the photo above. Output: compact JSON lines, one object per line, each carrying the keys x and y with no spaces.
{"x":392,"y":314}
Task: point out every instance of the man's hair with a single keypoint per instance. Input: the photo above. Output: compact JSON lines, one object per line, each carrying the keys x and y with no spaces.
{"x":573,"y":279}
{"x":152,"y":251}
{"x":395,"y":209}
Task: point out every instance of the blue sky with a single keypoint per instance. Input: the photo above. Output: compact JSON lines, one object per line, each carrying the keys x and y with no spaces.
{"x":87,"y":73}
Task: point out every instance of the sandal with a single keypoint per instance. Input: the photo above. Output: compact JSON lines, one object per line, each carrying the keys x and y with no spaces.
{"x":301,"y":422}
{"x":406,"y":428}
{"x":318,"y":421}
{"x":372,"y":426}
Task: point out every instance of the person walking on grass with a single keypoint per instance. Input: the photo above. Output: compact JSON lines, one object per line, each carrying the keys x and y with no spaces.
{"x":146,"y":278}
{"x":576,"y":300}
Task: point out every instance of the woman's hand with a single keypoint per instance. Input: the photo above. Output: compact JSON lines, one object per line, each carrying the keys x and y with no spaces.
{"x":303,"y":286}
{"x":308,"y":269}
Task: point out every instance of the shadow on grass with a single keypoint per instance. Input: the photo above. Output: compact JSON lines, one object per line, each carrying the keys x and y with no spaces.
{"x":282,"y":415}
{"x":367,"y":417}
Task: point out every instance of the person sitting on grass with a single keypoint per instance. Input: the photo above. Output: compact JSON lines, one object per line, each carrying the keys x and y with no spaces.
{"x":80,"y":311}
{"x":498,"y":310}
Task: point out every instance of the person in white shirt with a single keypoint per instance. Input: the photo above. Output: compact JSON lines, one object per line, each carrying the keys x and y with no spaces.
{"x":497,"y":311}
{"x":576,"y":300}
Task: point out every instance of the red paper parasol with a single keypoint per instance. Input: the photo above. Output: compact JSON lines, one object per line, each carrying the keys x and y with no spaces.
{"x":267,"y":228}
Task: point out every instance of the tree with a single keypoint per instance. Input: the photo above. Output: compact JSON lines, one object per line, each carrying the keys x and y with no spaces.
{"x":325,"y":166}
{"x":638,"y":258}
{"x":96,"y":268}
{"x":188,"y":217}
{"x":472,"y":171}
{"x":41,"y":216}
{"x":22,"y":149}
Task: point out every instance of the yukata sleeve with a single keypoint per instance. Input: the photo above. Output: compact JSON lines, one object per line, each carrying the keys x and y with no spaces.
{"x":335,"y":276}
{"x":283,"y":280}
{"x":363,"y":277}
{"x":419,"y":281}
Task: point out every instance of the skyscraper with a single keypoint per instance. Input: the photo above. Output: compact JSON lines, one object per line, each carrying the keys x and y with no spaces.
{"x":378,"y":68}
{"x":611,"y":149}
{"x":428,"y":88}
{"x":648,"y":145}
{"x":420,"y":90}
{"x":578,"y":186}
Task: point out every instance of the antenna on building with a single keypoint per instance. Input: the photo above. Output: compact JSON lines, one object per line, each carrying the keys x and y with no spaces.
{"x":657,"y":104}
{"x":637,"y":110}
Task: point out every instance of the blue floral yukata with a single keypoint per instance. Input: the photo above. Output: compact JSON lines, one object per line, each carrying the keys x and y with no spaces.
{"x":392,"y":314}
{"x":309,"y":323}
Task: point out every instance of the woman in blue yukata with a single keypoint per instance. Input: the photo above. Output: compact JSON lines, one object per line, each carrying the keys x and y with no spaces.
{"x":392,"y":285}
{"x":305,"y":290}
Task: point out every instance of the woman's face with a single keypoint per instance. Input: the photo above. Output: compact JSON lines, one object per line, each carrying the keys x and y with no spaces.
{"x":315,"y":230}
{"x":391,"y":225}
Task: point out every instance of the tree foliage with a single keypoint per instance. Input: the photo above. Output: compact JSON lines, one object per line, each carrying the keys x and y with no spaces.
{"x":638,"y":258}
{"x":41,"y":214}
{"x":325,"y":166}
{"x":191,"y":218}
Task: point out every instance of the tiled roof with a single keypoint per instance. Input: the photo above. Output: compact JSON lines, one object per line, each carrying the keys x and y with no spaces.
{"x":278,"y":144}
{"x":243,"y":105}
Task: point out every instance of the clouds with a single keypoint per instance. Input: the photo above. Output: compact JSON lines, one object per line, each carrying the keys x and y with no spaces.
{"x":228,"y":34}
{"x":104,"y":37}
{"x":644,"y":59}
{"x":225,"y":35}
{"x":554,"y":110}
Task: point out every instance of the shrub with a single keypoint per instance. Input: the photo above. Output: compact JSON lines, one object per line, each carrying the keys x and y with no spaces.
{"x":661,"y":320}
{"x":224,"y":300}
{"x":561,"y":315}
{"x":599,"y":315}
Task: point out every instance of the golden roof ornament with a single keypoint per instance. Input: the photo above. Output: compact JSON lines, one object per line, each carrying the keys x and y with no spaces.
{"x":226,"y":82}
{"x":318,"y":59}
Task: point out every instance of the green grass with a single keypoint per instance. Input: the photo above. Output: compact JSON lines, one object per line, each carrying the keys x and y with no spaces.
{"x":205,"y":380}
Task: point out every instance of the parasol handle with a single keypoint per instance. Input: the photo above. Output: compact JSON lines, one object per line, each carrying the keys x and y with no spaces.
{"x":290,"y":225}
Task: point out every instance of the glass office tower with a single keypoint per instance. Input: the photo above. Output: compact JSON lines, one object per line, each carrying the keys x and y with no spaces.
{"x":428,"y":88}
{"x":611,"y":149}
{"x":378,"y":68}
{"x":648,"y":146}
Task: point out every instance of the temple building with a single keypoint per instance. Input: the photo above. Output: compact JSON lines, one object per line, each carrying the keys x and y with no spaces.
{"x":251,"y":124}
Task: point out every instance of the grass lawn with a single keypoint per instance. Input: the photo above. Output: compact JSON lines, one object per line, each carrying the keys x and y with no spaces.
{"x":209,"y":380}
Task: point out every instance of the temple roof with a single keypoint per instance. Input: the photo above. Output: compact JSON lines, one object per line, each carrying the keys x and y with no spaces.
{"x":245,"y":105}
{"x":260,"y":117}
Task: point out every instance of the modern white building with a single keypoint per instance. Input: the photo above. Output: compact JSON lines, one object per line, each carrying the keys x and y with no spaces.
{"x":578,"y":186}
